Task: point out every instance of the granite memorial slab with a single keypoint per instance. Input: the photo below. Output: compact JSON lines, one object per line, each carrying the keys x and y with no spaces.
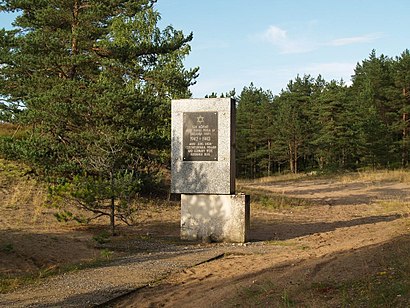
{"x":203,"y":146}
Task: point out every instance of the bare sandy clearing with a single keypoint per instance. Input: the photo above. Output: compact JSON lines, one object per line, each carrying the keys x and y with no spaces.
{"x":344,"y":235}
{"x":349,"y":231}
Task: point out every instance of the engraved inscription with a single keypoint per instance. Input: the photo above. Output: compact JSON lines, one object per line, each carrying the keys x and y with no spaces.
{"x":200,"y":142}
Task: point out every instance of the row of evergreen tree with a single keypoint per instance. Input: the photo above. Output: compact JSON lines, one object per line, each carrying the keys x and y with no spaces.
{"x":318,"y":125}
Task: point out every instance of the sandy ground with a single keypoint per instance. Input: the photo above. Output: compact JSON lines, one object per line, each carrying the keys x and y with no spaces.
{"x":343,"y":233}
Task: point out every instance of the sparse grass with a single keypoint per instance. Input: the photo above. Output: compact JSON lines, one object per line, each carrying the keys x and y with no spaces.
{"x":288,"y":243}
{"x":272,"y":201}
{"x":27,"y":191}
{"x":255,"y":294}
{"x":106,"y":254}
{"x":394,"y":206}
{"x":263,"y":294}
{"x":12,"y":130}
{"x":21,"y":189}
{"x":385,"y":175}
{"x":102,"y":238}
{"x":286,"y":300}
{"x":386,"y":288}
{"x":8,"y":283}
{"x":7,"y":248}
{"x":387,"y":285}
{"x":399,"y":175}
{"x":11,"y":171}
{"x":281,"y":243}
{"x":275,"y":178}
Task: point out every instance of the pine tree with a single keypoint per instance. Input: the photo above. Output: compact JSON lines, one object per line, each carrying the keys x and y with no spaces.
{"x":376,"y":103}
{"x":333,"y":122}
{"x":294,"y":130}
{"x":402,"y":81}
{"x":254,"y":119}
{"x":95,"y":79}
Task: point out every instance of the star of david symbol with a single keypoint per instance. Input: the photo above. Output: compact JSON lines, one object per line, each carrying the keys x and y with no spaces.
{"x":200,"y":119}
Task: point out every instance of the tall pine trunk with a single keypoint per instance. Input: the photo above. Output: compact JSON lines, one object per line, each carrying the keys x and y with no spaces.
{"x":291,"y":158}
{"x":112,"y":215}
{"x":405,"y":150}
{"x":112,"y":205}
{"x":295,"y":159}
{"x":269,"y":156}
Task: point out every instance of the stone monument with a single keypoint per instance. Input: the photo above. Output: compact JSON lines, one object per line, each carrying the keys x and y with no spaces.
{"x":203,"y":170}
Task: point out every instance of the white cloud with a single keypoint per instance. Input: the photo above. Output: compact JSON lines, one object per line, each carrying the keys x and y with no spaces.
{"x":279,"y":38}
{"x":275,"y":35}
{"x":356,"y":39}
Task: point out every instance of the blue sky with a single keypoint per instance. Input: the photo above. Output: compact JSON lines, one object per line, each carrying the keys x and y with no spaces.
{"x":269,"y":42}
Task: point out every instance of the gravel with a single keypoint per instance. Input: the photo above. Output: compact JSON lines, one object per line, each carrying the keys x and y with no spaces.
{"x":96,"y":286}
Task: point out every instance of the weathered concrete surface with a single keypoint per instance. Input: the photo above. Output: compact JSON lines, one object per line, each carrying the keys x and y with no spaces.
{"x":202,"y":176}
{"x":215,"y":218}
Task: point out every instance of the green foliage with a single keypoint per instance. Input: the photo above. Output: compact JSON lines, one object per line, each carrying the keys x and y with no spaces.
{"x":274,"y":201}
{"x":63,"y":216}
{"x":93,"y":82}
{"x":11,"y":171}
{"x":7,"y":248}
{"x":10,"y":283}
{"x":286,"y":301}
{"x":253,"y":295}
{"x":318,"y":125}
{"x":102,"y":238}
{"x":104,"y":197}
{"x":106,"y":254}
{"x":254,"y":112}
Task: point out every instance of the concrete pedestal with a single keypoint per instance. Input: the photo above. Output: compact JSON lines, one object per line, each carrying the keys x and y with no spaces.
{"x":215,"y":218}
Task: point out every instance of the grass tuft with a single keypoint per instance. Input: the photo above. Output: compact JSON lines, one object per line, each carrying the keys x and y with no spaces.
{"x":273,"y":201}
{"x":276,"y":178}
{"x":10,"y":283}
{"x":399,"y":175}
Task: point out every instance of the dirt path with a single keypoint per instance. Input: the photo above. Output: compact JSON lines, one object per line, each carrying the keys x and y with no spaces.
{"x":343,"y":237}
{"x":310,"y":251}
{"x":95,"y":286}
{"x":345,"y":233}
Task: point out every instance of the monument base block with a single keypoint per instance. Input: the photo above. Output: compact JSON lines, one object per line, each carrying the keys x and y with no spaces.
{"x":215,"y":218}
